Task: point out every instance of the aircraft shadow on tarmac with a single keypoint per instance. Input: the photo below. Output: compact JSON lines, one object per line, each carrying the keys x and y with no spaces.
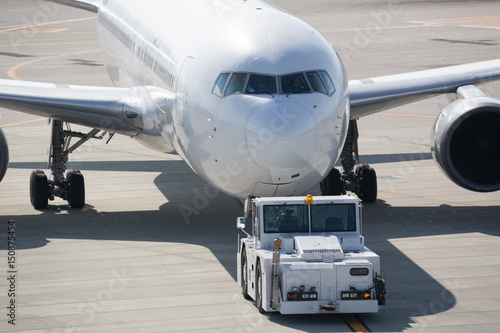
{"x":411,"y":291}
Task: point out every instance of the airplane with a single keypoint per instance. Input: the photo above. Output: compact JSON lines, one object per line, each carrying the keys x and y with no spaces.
{"x":254,"y":100}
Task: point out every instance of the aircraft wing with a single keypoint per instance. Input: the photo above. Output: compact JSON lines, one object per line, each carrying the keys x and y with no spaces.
{"x":466,"y":134}
{"x":90,"y":5}
{"x":374,"y":95}
{"x":118,"y":110}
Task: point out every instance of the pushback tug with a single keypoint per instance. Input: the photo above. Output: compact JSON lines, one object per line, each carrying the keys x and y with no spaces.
{"x":307,"y":255}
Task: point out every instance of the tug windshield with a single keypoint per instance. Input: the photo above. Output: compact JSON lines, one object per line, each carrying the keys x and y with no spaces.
{"x":329,"y":218}
{"x":284,"y":218}
{"x":295,"y":218}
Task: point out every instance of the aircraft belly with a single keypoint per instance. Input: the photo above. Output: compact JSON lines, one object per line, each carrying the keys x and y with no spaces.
{"x":157,"y":143}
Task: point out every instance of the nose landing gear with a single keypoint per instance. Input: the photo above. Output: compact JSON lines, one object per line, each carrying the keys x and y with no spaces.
{"x":360,"y":179}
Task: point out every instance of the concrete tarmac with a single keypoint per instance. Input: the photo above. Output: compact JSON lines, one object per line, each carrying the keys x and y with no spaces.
{"x":131,"y":261}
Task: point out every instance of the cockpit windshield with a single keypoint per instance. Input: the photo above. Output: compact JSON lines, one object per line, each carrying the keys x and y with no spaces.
{"x":236,"y":83}
{"x":261,"y":84}
{"x":294,"y":84}
{"x":229,"y":83}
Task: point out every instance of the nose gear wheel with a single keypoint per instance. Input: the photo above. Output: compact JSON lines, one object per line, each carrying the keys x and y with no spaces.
{"x":360,"y":179}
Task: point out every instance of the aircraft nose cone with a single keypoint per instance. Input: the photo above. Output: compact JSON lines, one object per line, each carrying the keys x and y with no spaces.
{"x":281,"y":135}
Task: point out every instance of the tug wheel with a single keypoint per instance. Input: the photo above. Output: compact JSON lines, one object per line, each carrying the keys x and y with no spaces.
{"x":244,"y":274}
{"x":258,"y":288}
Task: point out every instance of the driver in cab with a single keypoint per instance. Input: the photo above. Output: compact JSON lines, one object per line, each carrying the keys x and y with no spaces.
{"x":287,"y":222}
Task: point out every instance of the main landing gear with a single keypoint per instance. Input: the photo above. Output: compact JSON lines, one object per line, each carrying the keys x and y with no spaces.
{"x":360,"y":179}
{"x":70,"y":187}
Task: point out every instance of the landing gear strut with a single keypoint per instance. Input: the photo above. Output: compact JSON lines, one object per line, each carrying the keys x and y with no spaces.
{"x":360,"y":179}
{"x":71,"y":187}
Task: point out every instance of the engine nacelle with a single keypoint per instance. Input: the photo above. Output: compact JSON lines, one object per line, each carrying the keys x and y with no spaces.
{"x":466,"y":138}
{"x":4,"y":155}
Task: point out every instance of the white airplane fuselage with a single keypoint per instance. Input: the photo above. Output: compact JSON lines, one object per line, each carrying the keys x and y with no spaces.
{"x":243,"y":143}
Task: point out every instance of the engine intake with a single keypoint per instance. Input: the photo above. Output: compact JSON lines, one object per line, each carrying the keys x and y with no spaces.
{"x":466,"y":139}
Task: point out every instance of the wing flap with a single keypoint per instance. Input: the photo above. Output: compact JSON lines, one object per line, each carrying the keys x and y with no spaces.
{"x":374,"y":95}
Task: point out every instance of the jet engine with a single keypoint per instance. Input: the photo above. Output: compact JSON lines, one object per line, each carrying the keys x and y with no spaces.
{"x":466,"y":140}
{"x":4,"y":155}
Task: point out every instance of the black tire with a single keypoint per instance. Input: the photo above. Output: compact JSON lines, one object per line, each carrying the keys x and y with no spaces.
{"x":4,"y":155}
{"x":76,"y":189}
{"x":244,"y":274}
{"x":358,"y":169}
{"x":367,"y":184}
{"x":258,"y":288}
{"x":332,"y":184}
{"x":39,"y":190}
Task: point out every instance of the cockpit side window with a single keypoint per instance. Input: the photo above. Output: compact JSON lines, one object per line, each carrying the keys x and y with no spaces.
{"x":220,"y":84}
{"x":316,"y":82}
{"x":328,"y":82}
{"x":236,"y":83}
{"x":261,"y":84}
{"x":294,"y":84}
